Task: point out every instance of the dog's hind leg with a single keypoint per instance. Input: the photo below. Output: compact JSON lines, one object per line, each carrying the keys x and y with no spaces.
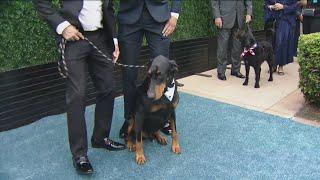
{"x":175,"y":144}
{"x":247,"y":66}
{"x":257,"y":71}
{"x":161,"y":139}
{"x":270,"y":61}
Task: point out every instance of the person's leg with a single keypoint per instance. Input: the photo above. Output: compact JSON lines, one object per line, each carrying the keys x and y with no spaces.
{"x":235,"y":54}
{"x":102,"y":74}
{"x":284,"y":45}
{"x":130,"y":40}
{"x":223,"y":42}
{"x":158,"y":44}
{"x":76,"y":54}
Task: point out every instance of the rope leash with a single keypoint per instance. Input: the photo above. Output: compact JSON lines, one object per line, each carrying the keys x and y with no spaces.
{"x":62,"y":65}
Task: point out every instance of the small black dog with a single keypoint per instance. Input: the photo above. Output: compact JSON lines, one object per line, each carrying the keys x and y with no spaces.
{"x":254,"y":54}
{"x":155,"y":103}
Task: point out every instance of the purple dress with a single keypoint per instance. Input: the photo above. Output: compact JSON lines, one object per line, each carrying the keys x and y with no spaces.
{"x":285,"y":27}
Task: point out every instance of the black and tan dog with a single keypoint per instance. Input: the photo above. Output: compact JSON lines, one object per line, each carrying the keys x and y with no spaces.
{"x":254,"y":54}
{"x":155,"y":103}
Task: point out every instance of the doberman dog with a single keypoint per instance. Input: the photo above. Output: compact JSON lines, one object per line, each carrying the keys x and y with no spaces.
{"x":155,"y":103}
{"x":254,"y":54}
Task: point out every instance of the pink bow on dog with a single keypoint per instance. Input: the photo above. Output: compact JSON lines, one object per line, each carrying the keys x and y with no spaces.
{"x":250,"y":51}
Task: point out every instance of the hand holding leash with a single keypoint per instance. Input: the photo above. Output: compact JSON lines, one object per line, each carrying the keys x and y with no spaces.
{"x":248,"y":19}
{"x":71,"y":33}
{"x":218,"y":22}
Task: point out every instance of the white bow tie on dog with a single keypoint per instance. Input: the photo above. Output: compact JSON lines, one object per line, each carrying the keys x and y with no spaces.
{"x":170,"y":91}
{"x":250,"y":50}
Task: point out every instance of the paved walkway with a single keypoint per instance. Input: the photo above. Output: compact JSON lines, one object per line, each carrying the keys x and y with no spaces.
{"x":282,"y":97}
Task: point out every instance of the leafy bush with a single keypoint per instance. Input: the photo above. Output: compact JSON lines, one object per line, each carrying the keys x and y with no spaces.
{"x":309,"y":60}
{"x":26,"y":39}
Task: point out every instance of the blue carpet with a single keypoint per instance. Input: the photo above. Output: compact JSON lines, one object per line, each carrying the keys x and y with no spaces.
{"x":218,"y":141}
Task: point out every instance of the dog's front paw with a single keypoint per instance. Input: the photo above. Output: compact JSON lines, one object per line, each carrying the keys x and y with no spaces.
{"x":131,"y":147}
{"x":256,"y":86}
{"x":176,"y":149}
{"x":270,"y":79}
{"x":140,"y":159}
{"x":245,"y":83}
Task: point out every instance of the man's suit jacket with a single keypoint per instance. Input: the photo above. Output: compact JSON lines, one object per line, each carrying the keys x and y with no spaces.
{"x":130,"y":10}
{"x":229,"y":10}
{"x":70,"y":10}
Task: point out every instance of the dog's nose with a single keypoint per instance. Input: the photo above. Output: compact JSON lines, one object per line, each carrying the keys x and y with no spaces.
{"x":151,"y":95}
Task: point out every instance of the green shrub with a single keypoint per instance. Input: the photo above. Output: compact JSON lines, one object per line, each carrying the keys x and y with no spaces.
{"x":26,"y":40}
{"x":309,"y":60}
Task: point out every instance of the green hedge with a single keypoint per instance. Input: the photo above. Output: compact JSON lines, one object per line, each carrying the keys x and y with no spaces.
{"x":26,"y":40}
{"x":309,"y":61}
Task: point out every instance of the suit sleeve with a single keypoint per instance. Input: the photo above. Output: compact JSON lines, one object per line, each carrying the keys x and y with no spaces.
{"x":268,"y":14}
{"x":215,"y":8}
{"x":111,"y":19}
{"x":291,"y":8}
{"x":176,"y":6}
{"x":248,"y":4}
{"x":45,"y":10}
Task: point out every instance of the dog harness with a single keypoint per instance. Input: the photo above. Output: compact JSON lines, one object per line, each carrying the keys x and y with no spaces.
{"x":170,"y":90}
{"x":249,"y":51}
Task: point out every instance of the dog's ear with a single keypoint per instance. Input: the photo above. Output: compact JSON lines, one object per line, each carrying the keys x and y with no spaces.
{"x":173,"y":66}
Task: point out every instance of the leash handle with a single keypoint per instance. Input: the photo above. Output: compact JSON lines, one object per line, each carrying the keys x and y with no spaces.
{"x":62,"y":65}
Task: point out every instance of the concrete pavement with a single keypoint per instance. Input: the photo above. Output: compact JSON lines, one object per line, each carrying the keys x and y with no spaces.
{"x":282,"y":97}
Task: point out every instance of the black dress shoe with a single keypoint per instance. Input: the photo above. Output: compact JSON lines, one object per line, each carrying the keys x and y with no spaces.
{"x":123,"y":131}
{"x":237,"y":74}
{"x":222,"y":77}
{"x":166,"y":129}
{"x":82,"y":165}
{"x":108,"y":144}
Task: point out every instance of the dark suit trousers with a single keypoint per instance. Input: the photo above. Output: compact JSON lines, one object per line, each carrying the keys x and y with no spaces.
{"x":81,"y":58}
{"x":130,"y":39}
{"x":226,"y":38}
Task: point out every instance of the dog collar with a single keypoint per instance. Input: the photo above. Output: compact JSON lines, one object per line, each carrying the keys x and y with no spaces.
{"x":249,"y":51}
{"x":170,"y":91}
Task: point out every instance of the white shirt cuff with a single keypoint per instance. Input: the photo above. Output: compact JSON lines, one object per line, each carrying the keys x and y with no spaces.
{"x":62,"y":26}
{"x":115,"y":41}
{"x":176,"y":15}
